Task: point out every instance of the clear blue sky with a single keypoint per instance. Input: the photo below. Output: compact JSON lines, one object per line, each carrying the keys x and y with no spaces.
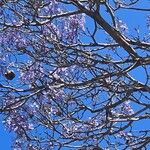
{"x":5,"y":137}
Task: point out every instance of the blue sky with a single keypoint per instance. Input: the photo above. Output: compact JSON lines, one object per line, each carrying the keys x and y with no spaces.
{"x":132,"y":19}
{"x":5,"y":137}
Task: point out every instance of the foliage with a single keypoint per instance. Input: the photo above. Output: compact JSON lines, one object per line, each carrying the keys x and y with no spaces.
{"x":66,"y":80}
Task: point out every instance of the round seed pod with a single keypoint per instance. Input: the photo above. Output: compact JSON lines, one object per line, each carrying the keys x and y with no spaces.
{"x":10,"y":75}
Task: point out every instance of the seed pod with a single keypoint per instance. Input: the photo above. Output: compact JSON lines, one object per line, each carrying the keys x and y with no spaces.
{"x":1,"y":4}
{"x":9,"y":75}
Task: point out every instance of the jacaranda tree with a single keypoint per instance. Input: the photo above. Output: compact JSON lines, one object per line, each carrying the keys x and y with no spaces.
{"x":66,"y":78}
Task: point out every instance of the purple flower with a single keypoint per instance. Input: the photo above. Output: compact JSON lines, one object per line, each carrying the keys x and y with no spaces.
{"x":18,"y":123}
{"x":121,"y":26}
{"x":126,"y":108}
{"x":17,"y":145}
{"x":148,"y":22}
{"x":32,"y":73}
{"x":72,"y":26}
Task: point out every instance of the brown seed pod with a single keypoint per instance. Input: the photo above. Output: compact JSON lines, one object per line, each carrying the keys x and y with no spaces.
{"x":9,"y":75}
{"x":1,"y":4}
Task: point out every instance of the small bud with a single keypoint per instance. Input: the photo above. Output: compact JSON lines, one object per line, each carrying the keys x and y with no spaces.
{"x":9,"y":75}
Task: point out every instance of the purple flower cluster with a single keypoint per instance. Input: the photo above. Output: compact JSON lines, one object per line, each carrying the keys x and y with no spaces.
{"x":3,"y":64}
{"x":127,"y":109}
{"x":121,"y":26}
{"x":72,"y":25}
{"x":18,"y":122}
{"x":148,"y":22}
{"x":12,"y":39}
{"x":31,"y":73}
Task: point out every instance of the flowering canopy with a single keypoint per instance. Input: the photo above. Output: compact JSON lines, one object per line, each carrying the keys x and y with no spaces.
{"x":72,"y":86}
